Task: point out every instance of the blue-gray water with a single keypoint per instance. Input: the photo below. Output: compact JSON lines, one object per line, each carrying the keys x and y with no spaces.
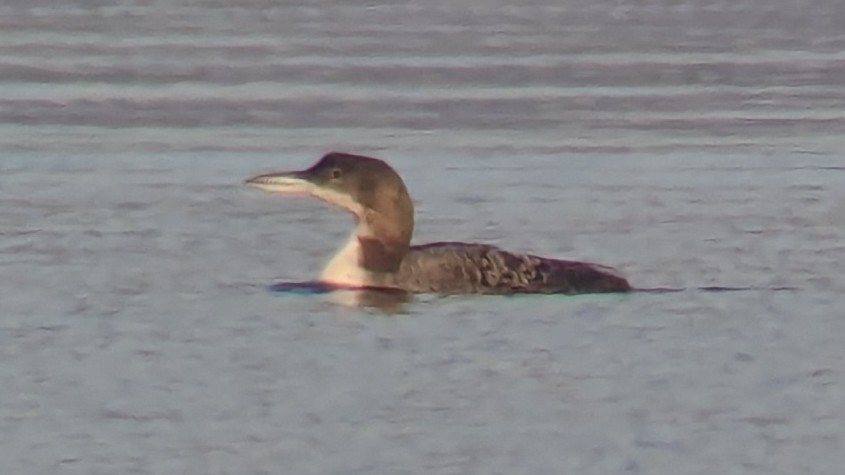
{"x":689,"y":144}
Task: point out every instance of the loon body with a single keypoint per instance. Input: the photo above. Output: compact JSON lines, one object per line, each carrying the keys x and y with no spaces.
{"x":379,"y":253}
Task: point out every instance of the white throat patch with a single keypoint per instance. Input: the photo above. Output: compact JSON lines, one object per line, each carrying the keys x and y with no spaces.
{"x":344,"y":268}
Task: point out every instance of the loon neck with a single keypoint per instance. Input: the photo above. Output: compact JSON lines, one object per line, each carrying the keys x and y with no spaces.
{"x":365,"y":260}
{"x":385,"y":224}
{"x":383,"y":242}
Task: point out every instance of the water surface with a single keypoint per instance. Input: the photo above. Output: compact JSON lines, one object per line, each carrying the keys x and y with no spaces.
{"x":691,"y":145}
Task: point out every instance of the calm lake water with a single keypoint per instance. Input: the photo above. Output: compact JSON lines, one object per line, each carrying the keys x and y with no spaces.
{"x":692,"y":145}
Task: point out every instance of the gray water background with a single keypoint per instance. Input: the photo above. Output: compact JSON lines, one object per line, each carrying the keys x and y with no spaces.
{"x":689,"y":144}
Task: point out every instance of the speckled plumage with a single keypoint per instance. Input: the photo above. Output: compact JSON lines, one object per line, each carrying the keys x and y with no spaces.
{"x":457,"y":268}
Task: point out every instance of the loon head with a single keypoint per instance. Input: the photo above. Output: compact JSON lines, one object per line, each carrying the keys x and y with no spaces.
{"x":368,"y":188}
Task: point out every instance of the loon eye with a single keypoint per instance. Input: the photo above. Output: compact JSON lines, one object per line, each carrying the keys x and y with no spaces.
{"x":336,"y":173}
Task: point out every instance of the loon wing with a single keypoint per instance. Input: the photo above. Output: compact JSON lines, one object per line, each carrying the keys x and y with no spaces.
{"x":454,"y":268}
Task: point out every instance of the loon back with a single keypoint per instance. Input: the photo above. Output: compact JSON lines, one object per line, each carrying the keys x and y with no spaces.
{"x":458,"y":268}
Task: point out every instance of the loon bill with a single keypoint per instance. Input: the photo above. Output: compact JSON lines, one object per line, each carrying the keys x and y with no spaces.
{"x":379,"y":253}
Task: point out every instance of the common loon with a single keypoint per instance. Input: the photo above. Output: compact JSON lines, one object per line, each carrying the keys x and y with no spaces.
{"x":379,"y":253}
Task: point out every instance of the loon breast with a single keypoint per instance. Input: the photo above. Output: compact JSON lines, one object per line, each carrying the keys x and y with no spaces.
{"x":345,"y":268}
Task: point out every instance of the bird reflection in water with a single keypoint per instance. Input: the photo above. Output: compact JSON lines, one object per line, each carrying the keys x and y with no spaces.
{"x":386,"y":300}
